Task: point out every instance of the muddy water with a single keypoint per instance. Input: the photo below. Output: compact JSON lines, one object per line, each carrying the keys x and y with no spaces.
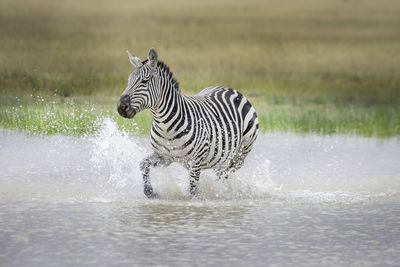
{"x":299,"y":200}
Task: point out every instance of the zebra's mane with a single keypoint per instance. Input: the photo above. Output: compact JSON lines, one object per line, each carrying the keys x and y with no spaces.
{"x":164,"y":68}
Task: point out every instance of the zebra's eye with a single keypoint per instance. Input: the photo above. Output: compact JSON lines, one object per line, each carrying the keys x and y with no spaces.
{"x":144,"y":81}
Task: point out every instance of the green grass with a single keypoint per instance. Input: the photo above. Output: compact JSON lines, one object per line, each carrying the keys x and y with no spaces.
{"x":307,"y":66}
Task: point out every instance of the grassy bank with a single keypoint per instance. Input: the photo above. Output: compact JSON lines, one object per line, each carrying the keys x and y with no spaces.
{"x":84,"y":117}
{"x":307,"y":66}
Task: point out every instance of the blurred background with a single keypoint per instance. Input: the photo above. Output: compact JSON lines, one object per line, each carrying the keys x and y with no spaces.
{"x":317,"y":66}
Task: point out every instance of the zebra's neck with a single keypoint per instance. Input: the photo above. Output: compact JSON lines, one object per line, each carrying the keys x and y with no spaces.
{"x":169,"y":113}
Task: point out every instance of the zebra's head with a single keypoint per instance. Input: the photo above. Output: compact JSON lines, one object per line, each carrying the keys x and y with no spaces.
{"x":142,"y":91}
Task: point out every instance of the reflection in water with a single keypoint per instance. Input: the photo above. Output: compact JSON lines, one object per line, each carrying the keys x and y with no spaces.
{"x":299,"y":200}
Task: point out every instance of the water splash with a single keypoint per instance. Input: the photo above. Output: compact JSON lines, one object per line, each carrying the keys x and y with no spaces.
{"x":115,"y":156}
{"x":114,"y":153}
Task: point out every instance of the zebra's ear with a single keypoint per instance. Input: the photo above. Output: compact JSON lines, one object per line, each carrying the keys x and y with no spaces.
{"x":135,"y":61}
{"x":153,"y":58}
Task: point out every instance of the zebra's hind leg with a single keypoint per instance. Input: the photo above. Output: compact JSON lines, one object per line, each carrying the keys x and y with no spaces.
{"x":151,"y":161}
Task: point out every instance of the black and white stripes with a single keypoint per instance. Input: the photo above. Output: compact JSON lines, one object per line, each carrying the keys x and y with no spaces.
{"x":215,"y":128}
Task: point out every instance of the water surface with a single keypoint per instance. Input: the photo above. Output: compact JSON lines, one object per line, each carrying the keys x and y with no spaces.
{"x":299,"y":200}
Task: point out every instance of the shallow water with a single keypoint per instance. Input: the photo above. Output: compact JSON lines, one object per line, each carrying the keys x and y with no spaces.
{"x":299,"y":200}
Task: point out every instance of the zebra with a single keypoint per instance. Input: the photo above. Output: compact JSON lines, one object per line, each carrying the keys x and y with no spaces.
{"x":214,"y":129}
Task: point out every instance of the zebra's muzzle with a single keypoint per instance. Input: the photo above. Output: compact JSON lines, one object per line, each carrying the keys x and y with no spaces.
{"x":125,"y":110}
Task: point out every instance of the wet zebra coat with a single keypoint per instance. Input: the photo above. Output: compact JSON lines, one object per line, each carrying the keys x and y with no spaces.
{"x":215,"y":128}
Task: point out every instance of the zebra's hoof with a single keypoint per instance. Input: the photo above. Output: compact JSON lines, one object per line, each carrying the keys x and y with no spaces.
{"x":148,"y":191}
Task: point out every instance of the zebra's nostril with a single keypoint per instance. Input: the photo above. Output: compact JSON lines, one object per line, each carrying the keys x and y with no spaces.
{"x":121,"y":109}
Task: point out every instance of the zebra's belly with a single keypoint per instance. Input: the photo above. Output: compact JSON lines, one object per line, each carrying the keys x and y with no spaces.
{"x":176,"y":151}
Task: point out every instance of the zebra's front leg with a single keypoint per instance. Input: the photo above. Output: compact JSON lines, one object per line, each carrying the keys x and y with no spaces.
{"x":194,"y":174}
{"x":151,"y":161}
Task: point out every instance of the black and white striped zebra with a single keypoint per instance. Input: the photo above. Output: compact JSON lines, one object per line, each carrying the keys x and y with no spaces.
{"x":215,"y":128}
